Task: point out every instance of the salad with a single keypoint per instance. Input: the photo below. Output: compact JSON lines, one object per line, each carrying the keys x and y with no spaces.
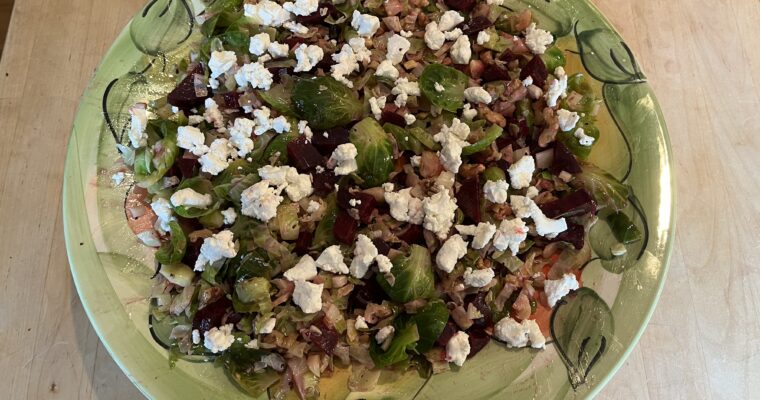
{"x":375,"y":185}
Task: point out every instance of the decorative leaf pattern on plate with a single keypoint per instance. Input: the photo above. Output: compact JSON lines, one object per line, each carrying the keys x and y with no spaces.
{"x":582,"y":327}
{"x":606,"y":57}
{"x":162,"y":26}
{"x":627,"y":227}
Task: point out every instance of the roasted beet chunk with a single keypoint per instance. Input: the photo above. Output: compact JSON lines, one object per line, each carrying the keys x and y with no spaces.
{"x":212,"y":315}
{"x":392,"y":118}
{"x":460,"y":5}
{"x":362,"y":295}
{"x":323,"y":337}
{"x":478,"y":338}
{"x":494,"y":72}
{"x":536,"y":69}
{"x":303,"y":155}
{"x":326,"y":142}
{"x":476,"y":25}
{"x":576,"y":203}
{"x":469,"y":198}
{"x":412,"y":234}
{"x":448,"y":331}
{"x":303,"y":242}
{"x":479,"y":302}
{"x":573,"y":235}
{"x":564,"y":160}
{"x":231,"y":100}
{"x":183,"y":96}
{"x":345,"y":228}
{"x":365,"y":205}
{"x":382,"y":247}
{"x":323,"y":182}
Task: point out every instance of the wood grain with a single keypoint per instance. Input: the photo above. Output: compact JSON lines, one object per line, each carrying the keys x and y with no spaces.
{"x":700,"y":56}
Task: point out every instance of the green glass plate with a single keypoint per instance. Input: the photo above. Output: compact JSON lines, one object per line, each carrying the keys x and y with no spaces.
{"x":593,"y":330}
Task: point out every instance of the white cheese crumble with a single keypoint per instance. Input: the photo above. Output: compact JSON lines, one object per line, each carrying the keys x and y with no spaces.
{"x":477,"y":94}
{"x":546,"y":227}
{"x":365,"y":24}
{"x":450,"y":252}
{"x":138,"y":123}
{"x":344,"y":157}
{"x":281,"y":124}
{"x":260,"y":201}
{"x":527,"y":81}
{"x":468,"y":112}
{"x":278,"y":50}
{"x":403,"y":89}
{"x":387,"y":70}
{"x":449,"y":20}
{"x":304,"y":270}
{"x":583,"y":138}
{"x":482,"y":233}
{"x":531,"y":193}
{"x":216,"y":159}
{"x":478,"y":278}
{"x":267,"y":13}
{"x":452,"y":139}
{"x":496,"y":191}
{"x":559,"y":288}
{"x":213,"y":115}
{"x":403,"y":206}
{"x":440,"y":210}
{"x":516,"y":334}
{"x":458,"y":348}
{"x":190,"y":198}
{"x":259,"y":43}
{"x":221,"y":62}
{"x":384,"y":334}
{"x":510,"y":235}
{"x":521,"y":172}
{"x":297,"y":186}
{"x":163,"y":210}
{"x":365,"y":253}
{"x":302,"y":7}
{"x":313,"y":207}
{"x":521,"y":206}
{"x":453,"y":34}
{"x":384,"y":264}
{"x":537,"y":40}
{"x":196,"y":336}
{"x":409,"y":118}
{"x":397,"y":48}
{"x":295,"y":27}
{"x":347,"y":60}
{"x":483,"y":38}
{"x":361,"y":323}
{"x":461,"y":50}
{"x":304,"y":129}
{"x":229,"y":215}
{"x":240,"y":136}
{"x":192,"y":139}
{"x":308,"y":296}
{"x":567,"y":119}
{"x":307,"y":57}
{"x":219,"y":339}
{"x":215,"y":248}
{"x":331,"y":260}
{"x":254,"y":74}
{"x":434,"y":37}
{"x":376,"y":105}
{"x":557,"y":87}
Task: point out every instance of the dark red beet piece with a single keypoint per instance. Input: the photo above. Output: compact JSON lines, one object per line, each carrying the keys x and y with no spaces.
{"x":508,"y":56}
{"x":192,"y":252}
{"x":366,"y":207}
{"x":188,"y":165}
{"x":382,"y":247}
{"x":233,"y":318}
{"x":494,"y":72}
{"x":392,"y":118}
{"x":369,"y":292}
{"x":448,"y":331}
{"x":345,"y":228}
{"x":303,"y":155}
{"x":323,"y":182}
{"x":231,"y":100}
{"x":564,"y":160}
{"x":460,"y":5}
{"x":335,"y":137}
{"x":479,"y":301}
{"x":537,"y":69}
{"x":469,"y":198}
{"x":326,"y":339}
{"x":576,"y":203}
{"x":476,"y":25}
{"x":293,"y":41}
{"x":211,"y":316}
{"x":183,"y":96}
{"x":303,"y":242}
{"x":575,"y":235}
{"x":478,"y":339}
{"x":413,"y":234}
{"x":344,"y":197}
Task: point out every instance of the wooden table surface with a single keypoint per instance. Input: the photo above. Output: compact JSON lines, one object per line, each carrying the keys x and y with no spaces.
{"x":701,"y":57}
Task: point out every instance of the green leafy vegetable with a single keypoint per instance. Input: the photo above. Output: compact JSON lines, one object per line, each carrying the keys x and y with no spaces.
{"x":202,"y":186}
{"x":414,"y":276}
{"x":178,"y":274}
{"x":252,"y":295}
{"x":405,"y":141}
{"x":424,"y":137}
{"x":325,"y":102}
{"x":453,"y":81}
{"x":603,"y":187}
{"x":494,"y":174}
{"x":287,"y":221}
{"x":497,"y":42}
{"x":323,"y":235}
{"x":151,"y":164}
{"x":404,"y":339}
{"x":430,"y":321}
{"x":571,"y":142}
{"x":278,"y":97}
{"x":279,"y":144}
{"x":623,"y":228}
{"x":491,"y":134}
{"x":553,"y":58}
{"x":172,"y":251}
{"x":375,"y":158}
{"x":238,"y":360}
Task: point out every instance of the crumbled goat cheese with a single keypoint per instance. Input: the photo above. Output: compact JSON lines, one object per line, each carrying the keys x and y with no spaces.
{"x":404,"y":207}
{"x":260,"y":201}
{"x":347,"y":60}
{"x":217,"y":158}
{"x":221,"y":62}
{"x":458,"y":348}
{"x":281,"y":124}
{"x":365,"y":24}
{"x":397,"y":48}
{"x":521,"y":206}
{"x":403,"y":89}
{"x":304,"y":270}
{"x":138,"y":123}
{"x":304,"y":129}
{"x":406,"y":34}
{"x":461,"y":50}
{"x":527,"y":81}
{"x":195,"y":119}
{"x":263,"y":122}
{"x":295,"y":27}
{"x":376,"y":105}
{"x":302,"y":7}
{"x":331,"y":260}
{"x":219,"y":339}
{"x":516,"y":334}
{"x":213,"y":115}
{"x":278,"y":50}
{"x":510,"y":235}
{"x":344,"y":157}
{"x":521,"y":172}
{"x":308,"y":296}
{"x":483,"y":38}
{"x":452,"y":139}
{"x":240,"y":136}
{"x":450,"y":252}
{"x":297,"y":186}
{"x":468,"y":112}
{"x":440,"y":210}
{"x":267,"y":13}
{"x":229,"y":215}
{"x":384,"y":264}
{"x":387,"y":70}
{"x":364,"y":255}
{"x":163,"y":210}
{"x":361,"y":323}
{"x":192,"y":139}
{"x":259,"y":43}
{"x":384,"y":334}
{"x":557,"y":88}
{"x":482,"y":233}
{"x":313,"y":207}
{"x":254,"y":74}
{"x":559,"y":288}
{"x":496,"y":191}
{"x":532,"y":192}
{"x":583,"y":138}
{"x":215,"y":248}
{"x":307,"y":57}
{"x":546,"y":227}
{"x":434,"y":38}
{"x":477,"y":94}
{"x":409,"y":118}
{"x":567,"y":119}
{"x":453,"y":34}
{"x":478,"y":278}
{"x":449,"y":20}
{"x":537,"y":39}
{"x":190,"y":198}
{"x":196,"y":336}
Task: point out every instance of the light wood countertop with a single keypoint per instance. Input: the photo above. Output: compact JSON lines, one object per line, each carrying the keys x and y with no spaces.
{"x":701,"y":57}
